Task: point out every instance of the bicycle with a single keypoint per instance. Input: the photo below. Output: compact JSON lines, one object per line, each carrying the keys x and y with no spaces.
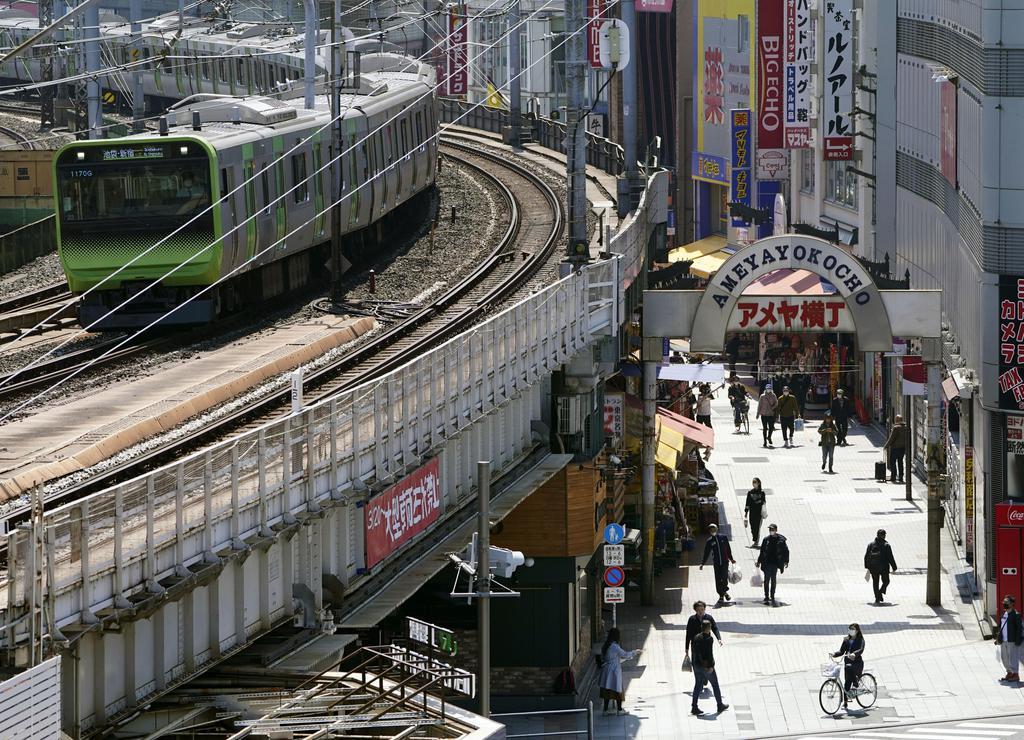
{"x":741,"y":412}
{"x":831,"y":693}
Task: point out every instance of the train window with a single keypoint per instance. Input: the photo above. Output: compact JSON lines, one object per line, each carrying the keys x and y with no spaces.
{"x":419,"y":128}
{"x":204,"y":68}
{"x":222,"y":70}
{"x":265,"y":186}
{"x":393,"y":150}
{"x":405,"y":136}
{"x":301,"y":191}
{"x":240,"y":75}
{"x":295,"y":74}
{"x":250,"y":189}
{"x":366,"y":162}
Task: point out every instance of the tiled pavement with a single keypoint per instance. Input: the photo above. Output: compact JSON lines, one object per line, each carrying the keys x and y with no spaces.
{"x":930,"y":663}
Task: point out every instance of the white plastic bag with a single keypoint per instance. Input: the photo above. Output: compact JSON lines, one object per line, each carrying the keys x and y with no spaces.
{"x":756,"y":579}
{"x":867,"y":576}
{"x":687,"y":664}
{"x":735,"y":575}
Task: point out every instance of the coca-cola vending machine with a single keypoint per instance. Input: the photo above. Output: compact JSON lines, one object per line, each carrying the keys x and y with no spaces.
{"x":1010,"y":552}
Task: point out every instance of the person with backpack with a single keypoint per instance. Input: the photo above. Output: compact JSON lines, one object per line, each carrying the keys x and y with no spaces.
{"x":896,"y":447}
{"x":719,"y":550}
{"x":772,"y":560}
{"x":612,"y":656}
{"x":877,"y":560}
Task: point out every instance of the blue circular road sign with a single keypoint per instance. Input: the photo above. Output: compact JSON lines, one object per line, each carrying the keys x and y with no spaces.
{"x":614,"y":533}
{"x":614,"y":576}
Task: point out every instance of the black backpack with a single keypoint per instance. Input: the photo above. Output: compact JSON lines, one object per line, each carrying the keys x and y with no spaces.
{"x":874,"y":558}
{"x":565,"y":682}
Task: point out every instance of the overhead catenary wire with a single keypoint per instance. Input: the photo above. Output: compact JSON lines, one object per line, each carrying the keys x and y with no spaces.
{"x":205,"y":289}
{"x":301,"y":142}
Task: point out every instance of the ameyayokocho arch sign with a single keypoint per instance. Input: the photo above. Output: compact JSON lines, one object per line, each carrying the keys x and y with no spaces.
{"x":878,"y":315}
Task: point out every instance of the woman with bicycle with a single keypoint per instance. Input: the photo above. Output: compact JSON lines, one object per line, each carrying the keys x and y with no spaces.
{"x":852,"y":651}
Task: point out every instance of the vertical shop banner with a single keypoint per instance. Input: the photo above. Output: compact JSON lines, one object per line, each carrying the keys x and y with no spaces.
{"x":799,"y":58}
{"x":948,"y":130}
{"x":969,"y":502}
{"x":458,"y":37}
{"x":1011,"y":343}
{"x":614,"y":412}
{"x":770,"y":126}
{"x":915,"y":375}
{"x":837,"y":71}
{"x":595,"y":15}
{"x":740,"y":180}
{"x":403,"y":511}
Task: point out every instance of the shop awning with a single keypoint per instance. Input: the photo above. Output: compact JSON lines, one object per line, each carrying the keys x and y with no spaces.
{"x":790,"y":282}
{"x":676,"y":435}
{"x":706,"y":266}
{"x":712,"y":372}
{"x":697,"y":249}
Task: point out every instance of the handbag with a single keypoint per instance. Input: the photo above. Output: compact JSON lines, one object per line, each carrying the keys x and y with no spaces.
{"x":687,"y":663}
{"x":764,"y":511}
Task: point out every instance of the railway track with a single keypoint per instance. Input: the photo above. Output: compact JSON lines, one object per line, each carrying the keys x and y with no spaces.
{"x":38,"y":311}
{"x":527,"y":245}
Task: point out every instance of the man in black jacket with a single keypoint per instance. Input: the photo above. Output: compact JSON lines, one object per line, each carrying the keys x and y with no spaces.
{"x":841,"y":410}
{"x":718,"y":549}
{"x":878,"y":559}
{"x":772,"y":560}
{"x":1009,"y":638}
{"x":704,"y":668}
{"x":695,"y":622}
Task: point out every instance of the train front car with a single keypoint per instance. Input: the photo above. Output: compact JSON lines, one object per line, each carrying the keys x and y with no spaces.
{"x":133,"y":222}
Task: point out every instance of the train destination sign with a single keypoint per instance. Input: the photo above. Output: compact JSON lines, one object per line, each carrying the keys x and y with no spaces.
{"x":132,"y":152}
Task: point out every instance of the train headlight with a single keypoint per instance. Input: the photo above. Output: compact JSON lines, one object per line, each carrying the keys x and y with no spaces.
{"x":80,"y":156}
{"x":183,"y":150}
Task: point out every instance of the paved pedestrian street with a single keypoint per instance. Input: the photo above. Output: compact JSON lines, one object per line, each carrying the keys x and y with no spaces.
{"x":999,"y":728}
{"x":930,"y":663}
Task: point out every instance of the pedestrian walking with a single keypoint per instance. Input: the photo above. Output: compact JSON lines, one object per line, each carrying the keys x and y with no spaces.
{"x":704,"y":668}
{"x":896,"y":447}
{"x":755,"y":510}
{"x":789,"y":409}
{"x":695,"y":622}
{"x":704,"y":406}
{"x":841,"y":409}
{"x":829,"y":434}
{"x":738,"y":400}
{"x":852,"y":651}
{"x":612,"y":656}
{"x":767,"y":407}
{"x":718,"y":549}
{"x":1009,"y":638}
{"x":772,"y":560}
{"x":878,"y":559}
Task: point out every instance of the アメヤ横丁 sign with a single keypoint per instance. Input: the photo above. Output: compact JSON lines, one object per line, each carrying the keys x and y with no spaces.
{"x":401,"y":512}
{"x":791,"y":313}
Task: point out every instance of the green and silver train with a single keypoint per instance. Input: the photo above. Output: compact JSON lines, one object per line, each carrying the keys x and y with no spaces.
{"x":134,"y":216}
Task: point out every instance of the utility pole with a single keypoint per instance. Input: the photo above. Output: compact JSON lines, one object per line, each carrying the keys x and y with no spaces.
{"x":515,"y":103}
{"x":339,"y":143}
{"x":650,"y":359}
{"x":310,"y":58}
{"x":575,"y":144}
{"x":91,"y":24}
{"x":624,"y":190}
{"x":932,"y":355}
{"x":138,"y":97}
{"x":483,"y":586}
{"x":46,"y":93}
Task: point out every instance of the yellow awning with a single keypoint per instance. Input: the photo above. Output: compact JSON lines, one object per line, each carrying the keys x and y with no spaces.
{"x":697,"y":249}
{"x":708,"y":265}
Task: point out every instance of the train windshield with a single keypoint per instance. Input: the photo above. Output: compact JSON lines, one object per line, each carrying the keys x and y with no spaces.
{"x":98,"y":192}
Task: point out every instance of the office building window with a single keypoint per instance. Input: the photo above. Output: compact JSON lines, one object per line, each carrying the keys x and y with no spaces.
{"x":840,"y":184}
{"x":807,"y":165}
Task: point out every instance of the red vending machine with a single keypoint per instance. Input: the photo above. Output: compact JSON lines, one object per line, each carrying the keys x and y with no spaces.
{"x":1009,"y":552}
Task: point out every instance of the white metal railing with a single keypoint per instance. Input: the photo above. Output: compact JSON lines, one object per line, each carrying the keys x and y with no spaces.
{"x":111,"y":543}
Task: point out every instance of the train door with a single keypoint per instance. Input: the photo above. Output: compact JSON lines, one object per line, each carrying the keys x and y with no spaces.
{"x":372,"y":182}
{"x":229,"y":215}
{"x":280,"y":205}
{"x":265,"y":232}
{"x":248,"y":175}
{"x":318,"y":187}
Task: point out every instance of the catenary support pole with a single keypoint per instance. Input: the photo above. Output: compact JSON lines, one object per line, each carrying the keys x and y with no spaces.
{"x":651,"y":358}
{"x":629,"y":114}
{"x":575,"y":68}
{"x":908,"y":469}
{"x":310,"y":60}
{"x":91,"y":27}
{"x":514,"y":89}
{"x":483,"y":586}
{"x":138,"y":96}
{"x":933,"y":460}
{"x":337,"y":261}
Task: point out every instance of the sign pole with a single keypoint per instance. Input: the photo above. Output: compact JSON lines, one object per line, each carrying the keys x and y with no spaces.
{"x":651,"y":358}
{"x":624,"y":187}
{"x":933,"y":460}
{"x":483,"y":585}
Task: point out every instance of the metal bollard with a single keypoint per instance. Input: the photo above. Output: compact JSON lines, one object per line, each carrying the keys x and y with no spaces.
{"x":590,"y":720}
{"x":373,"y":281}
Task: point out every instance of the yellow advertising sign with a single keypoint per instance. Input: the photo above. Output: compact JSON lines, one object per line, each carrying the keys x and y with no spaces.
{"x":724,"y":68}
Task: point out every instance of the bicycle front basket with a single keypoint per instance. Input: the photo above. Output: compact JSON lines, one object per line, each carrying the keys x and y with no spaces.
{"x":830,"y":670}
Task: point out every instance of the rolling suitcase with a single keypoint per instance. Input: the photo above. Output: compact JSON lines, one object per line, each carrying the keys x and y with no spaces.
{"x":880,"y":471}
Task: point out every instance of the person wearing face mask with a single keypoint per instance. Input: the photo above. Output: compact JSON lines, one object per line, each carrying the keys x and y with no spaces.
{"x":772,"y":560}
{"x":789,"y":409}
{"x":852,"y":651}
{"x":841,"y":410}
{"x":767,"y":407}
{"x":1009,"y":638}
{"x":753,"y":510}
{"x":695,"y":623}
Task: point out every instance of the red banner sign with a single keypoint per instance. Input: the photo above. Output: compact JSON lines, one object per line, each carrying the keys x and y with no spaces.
{"x":770,"y":68}
{"x":595,"y":12}
{"x":403,"y":511}
{"x":458,"y":65}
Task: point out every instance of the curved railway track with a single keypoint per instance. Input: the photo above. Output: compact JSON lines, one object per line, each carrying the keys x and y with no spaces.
{"x":527,"y":245}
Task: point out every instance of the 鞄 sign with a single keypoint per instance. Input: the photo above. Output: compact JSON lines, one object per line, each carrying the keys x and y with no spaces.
{"x":770,"y":122}
{"x":799,"y":58}
{"x":837,"y":71}
{"x":739,"y":175}
{"x":403,"y":511}
{"x":1011,"y":343}
{"x":458,"y":66}
{"x":791,"y":313}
